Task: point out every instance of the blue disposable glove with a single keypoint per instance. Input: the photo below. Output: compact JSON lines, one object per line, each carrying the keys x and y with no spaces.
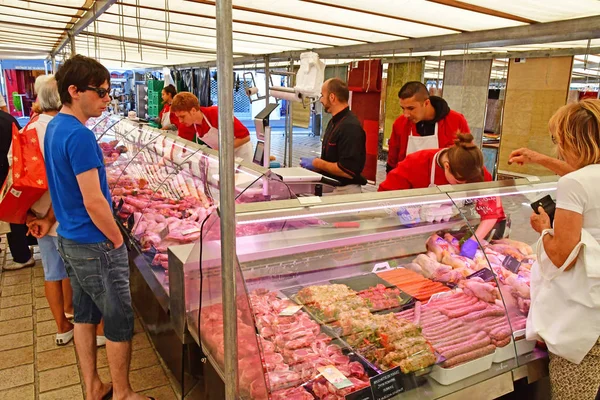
{"x":307,"y":162}
{"x":469,"y":248}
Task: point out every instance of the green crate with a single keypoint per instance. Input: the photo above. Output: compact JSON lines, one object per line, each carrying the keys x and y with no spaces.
{"x":154,"y":99}
{"x":153,"y":110}
{"x":155,"y":86}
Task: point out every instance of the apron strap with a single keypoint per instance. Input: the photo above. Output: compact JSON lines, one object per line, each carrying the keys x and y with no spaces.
{"x":433,"y":165}
{"x":207,"y":123}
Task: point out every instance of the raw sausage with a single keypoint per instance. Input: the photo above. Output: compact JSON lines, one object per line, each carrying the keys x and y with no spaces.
{"x":472,"y":355}
{"x":467,"y":310}
{"x":470,"y":346}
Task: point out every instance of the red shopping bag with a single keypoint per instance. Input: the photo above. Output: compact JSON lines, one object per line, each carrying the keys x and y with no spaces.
{"x":26,"y":181}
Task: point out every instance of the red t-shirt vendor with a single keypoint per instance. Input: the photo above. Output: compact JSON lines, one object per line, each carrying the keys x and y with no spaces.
{"x":205,"y":122}
{"x":167,"y":120}
{"x":461,"y":163}
{"x":427,"y":123}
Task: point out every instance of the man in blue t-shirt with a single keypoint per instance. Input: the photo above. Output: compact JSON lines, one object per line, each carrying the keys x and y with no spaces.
{"x":89,"y":239}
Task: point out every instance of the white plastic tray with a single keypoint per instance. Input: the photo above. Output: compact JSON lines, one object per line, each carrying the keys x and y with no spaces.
{"x":507,"y":352}
{"x":448,"y":376}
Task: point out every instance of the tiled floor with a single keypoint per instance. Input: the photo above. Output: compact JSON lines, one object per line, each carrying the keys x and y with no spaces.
{"x":32,"y":367}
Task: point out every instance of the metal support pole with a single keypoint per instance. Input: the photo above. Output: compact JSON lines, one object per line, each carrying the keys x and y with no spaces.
{"x":53,"y":60}
{"x":226,"y":196}
{"x":290,"y":130}
{"x":72,"y":42}
{"x":267,"y":79}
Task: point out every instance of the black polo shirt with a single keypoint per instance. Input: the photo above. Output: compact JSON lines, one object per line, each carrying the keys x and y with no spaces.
{"x":344,"y":143}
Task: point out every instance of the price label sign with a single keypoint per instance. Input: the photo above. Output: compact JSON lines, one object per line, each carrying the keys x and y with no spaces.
{"x":511,"y":264}
{"x":362,"y":394}
{"x":387,"y":385}
{"x":290,"y":310}
{"x":335,"y":377}
{"x":485,"y":273}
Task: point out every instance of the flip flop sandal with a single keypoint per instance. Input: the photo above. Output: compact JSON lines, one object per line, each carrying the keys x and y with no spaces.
{"x":64,"y":338}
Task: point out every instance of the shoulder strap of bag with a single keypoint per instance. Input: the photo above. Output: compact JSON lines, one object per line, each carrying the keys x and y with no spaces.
{"x":572,"y":256}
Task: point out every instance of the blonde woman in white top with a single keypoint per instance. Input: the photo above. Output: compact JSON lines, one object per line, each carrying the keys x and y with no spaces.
{"x":575,"y":129}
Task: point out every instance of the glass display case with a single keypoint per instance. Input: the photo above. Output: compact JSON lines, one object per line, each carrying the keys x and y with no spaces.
{"x":366,"y":296}
{"x":164,"y":188}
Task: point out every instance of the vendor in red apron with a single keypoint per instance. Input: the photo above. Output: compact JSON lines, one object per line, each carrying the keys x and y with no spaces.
{"x":205,"y":122}
{"x":427,"y":123}
{"x":461,"y":163}
{"x":167,"y":120}
{"x":343,"y":152}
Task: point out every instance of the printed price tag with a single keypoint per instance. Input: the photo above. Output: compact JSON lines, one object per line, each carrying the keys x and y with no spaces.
{"x":440,"y":295}
{"x":164,"y":232}
{"x":308,"y":200}
{"x":486,"y":274}
{"x":290,"y":310}
{"x":335,"y":377}
{"x":387,"y":385}
{"x":362,"y":394}
{"x":511,"y":264}
{"x":190,"y":231}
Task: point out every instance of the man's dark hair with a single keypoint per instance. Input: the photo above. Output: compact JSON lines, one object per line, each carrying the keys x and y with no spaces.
{"x":170,"y":89}
{"x":81,"y":72}
{"x":414,"y":88}
{"x":339,"y":88}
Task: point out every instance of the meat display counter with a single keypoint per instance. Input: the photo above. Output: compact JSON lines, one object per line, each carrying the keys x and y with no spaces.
{"x":366,"y":296}
{"x":163,"y":190}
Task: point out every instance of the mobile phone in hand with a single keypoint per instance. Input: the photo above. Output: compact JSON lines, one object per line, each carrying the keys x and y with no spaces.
{"x":547,"y":204}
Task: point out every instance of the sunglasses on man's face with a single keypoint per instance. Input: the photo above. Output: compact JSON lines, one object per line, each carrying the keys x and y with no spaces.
{"x":100,"y":91}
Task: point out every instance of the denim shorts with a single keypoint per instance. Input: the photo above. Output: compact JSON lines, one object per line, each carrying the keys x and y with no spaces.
{"x":54,"y":267}
{"x":100,"y":279}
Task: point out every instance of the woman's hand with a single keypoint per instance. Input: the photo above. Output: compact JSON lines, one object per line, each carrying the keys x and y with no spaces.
{"x":540,"y":221}
{"x":524,"y":156}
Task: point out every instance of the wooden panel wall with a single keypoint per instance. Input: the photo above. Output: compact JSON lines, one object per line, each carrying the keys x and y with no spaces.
{"x":535,"y":90}
{"x":466,"y":85}
{"x":397,"y":75}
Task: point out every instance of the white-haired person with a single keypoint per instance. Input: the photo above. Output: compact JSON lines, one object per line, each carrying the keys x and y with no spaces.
{"x":42,"y":223}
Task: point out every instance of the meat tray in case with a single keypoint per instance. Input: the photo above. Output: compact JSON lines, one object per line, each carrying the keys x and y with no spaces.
{"x":460,"y":311}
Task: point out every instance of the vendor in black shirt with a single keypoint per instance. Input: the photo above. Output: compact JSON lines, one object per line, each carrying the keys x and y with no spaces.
{"x":343,"y":152}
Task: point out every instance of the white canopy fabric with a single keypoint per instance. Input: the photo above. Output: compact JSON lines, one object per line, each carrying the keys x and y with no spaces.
{"x":152,"y":33}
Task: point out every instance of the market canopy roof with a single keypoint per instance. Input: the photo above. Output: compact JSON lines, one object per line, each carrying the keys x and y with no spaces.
{"x":149,"y":33}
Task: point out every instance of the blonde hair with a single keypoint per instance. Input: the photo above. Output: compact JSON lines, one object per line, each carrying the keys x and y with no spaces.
{"x":184,"y":101}
{"x":48,"y":98}
{"x":576,"y":127}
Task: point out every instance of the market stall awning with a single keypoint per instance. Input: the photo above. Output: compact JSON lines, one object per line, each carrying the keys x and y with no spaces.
{"x":171,"y":32}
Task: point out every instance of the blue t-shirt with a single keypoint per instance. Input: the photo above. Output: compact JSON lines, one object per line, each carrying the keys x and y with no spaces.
{"x":70,"y":149}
